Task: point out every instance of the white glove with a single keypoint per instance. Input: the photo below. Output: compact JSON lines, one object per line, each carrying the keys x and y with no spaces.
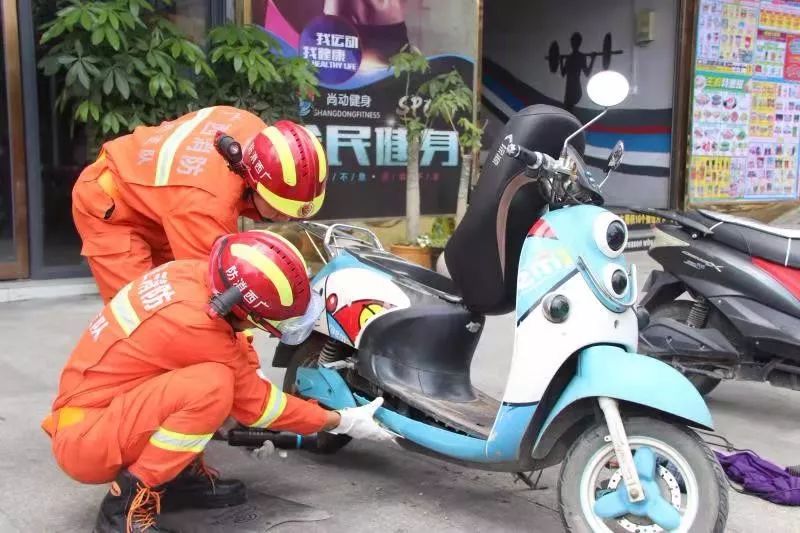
{"x":359,"y":423}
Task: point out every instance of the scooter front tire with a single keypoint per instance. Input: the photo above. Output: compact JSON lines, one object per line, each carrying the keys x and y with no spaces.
{"x":577,"y":490}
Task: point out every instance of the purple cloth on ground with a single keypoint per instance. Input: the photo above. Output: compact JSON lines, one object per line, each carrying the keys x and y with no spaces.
{"x":761,"y":478}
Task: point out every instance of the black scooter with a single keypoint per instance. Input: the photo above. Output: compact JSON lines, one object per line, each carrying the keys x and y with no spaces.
{"x":741,"y":319}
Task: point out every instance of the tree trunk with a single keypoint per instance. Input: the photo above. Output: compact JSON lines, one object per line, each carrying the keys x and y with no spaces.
{"x":463,"y":186}
{"x":412,"y":192}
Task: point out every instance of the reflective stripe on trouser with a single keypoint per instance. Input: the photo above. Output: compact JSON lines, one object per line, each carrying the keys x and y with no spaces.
{"x":155,"y":430}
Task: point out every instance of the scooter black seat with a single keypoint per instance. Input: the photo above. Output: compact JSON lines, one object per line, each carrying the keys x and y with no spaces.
{"x":779,"y":245}
{"x":483,"y":253}
{"x":410,"y":272}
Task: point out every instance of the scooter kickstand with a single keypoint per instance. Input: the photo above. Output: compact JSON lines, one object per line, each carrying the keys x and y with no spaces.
{"x":622,"y":448}
{"x":526,"y":479}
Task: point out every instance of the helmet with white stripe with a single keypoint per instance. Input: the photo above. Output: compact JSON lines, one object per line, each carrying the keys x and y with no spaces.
{"x":286,"y":166}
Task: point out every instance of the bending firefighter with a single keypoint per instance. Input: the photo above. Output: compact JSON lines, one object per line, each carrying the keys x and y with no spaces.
{"x":164,"y":192}
{"x":164,"y":364}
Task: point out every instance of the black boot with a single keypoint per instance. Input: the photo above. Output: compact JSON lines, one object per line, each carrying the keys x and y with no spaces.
{"x":130,"y":507}
{"x":200,"y":487}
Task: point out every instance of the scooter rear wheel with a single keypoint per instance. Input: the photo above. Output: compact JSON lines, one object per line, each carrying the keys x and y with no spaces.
{"x":307,"y":355}
{"x":689,"y":477}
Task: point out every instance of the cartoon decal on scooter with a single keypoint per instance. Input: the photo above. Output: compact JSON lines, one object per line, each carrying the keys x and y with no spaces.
{"x":534,"y":240}
{"x":368,"y":294}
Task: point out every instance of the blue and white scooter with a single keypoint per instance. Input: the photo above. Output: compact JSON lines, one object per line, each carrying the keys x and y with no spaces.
{"x":534,"y":240}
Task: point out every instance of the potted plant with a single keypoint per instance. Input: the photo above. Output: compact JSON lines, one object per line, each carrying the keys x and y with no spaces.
{"x":436,"y":239}
{"x":121,"y":63}
{"x":451,"y":100}
{"x":252,"y":74}
{"x":410,"y":63}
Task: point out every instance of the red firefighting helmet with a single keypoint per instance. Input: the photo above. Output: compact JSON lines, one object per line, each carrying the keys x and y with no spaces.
{"x":286,"y":165}
{"x":272,"y":281}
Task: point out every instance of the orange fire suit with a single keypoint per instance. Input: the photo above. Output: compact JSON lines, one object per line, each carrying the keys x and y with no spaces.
{"x":160,"y":193}
{"x":153,"y":377}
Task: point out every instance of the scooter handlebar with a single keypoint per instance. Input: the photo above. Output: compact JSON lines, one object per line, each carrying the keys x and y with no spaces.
{"x":532,"y":159}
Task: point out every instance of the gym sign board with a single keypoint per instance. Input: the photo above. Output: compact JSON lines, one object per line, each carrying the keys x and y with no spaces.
{"x":357,"y":114}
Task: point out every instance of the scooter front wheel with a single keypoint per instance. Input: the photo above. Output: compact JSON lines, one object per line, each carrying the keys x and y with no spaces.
{"x":683,"y":470}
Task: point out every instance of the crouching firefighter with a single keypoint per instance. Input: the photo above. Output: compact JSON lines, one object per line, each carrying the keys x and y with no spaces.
{"x":165,"y":363}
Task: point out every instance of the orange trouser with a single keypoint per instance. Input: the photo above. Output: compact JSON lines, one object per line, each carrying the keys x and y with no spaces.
{"x":155,"y":430}
{"x":119,"y":244}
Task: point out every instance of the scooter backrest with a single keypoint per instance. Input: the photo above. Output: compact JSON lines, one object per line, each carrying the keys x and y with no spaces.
{"x":483,"y":254}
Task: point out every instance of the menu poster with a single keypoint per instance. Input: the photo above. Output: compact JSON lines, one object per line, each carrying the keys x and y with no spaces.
{"x":720,"y":115}
{"x":745,"y":134}
{"x":775,"y":137}
{"x":791,"y":69}
{"x":770,"y":56}
{"x":779,"y":16}
{"x":771,"y":170}
{"x":717,"y":178}
{"x":727,"y":35}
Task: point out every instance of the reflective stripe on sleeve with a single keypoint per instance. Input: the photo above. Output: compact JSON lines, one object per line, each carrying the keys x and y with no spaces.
{"x":167,"y":153}
{"x":179,"y":442}
{"x":123,"y":311}
{"x":274,"y":409}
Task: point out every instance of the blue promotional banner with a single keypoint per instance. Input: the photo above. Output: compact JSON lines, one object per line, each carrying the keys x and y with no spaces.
{"x":358,"y":113}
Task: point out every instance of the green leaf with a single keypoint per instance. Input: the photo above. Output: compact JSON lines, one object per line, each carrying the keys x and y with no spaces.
{"x":72,"y":74}
{"x":90,"y":68}
{"x":83,"y":76}
{"x":134,"y":8}
{"x":71,"y":17}
{"x":122,"y":84}
{"x":108,"y":84}
{"x":237,"y":63}
{"x":252,"y":75}
{"x":54,"y":31}
{"x":166,"y":88}
{"x":82,"y":111}
{"x":113,"y":38}
{"x":153,"y":86}
{"x":98,"y":35}
{"x":86,"y":20}
{"x":66,"y":59}
{"x":95,"y":111}
{"x":176,"y":49}
{"x":114,"y":20}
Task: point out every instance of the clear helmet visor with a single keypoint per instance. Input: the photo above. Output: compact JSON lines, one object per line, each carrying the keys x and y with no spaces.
{"x":294,"y":331}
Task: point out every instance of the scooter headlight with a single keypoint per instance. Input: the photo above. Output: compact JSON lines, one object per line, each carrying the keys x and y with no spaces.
{"x":555,"y":308}
{"x":610,"y":234}
{"x":616,"y":280}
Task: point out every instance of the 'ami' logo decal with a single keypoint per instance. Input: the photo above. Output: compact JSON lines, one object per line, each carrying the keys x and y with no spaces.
{"x":543,"y":264}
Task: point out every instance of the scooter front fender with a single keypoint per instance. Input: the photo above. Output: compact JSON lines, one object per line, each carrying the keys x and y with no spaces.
{"x":614,"y":373}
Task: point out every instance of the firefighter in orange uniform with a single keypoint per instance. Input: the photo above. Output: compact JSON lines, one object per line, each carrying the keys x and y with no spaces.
{"x":165,"y":363}
{"x":164,"y":192}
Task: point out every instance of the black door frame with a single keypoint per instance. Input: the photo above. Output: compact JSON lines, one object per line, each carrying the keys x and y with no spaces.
{"x":12,"y":43}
